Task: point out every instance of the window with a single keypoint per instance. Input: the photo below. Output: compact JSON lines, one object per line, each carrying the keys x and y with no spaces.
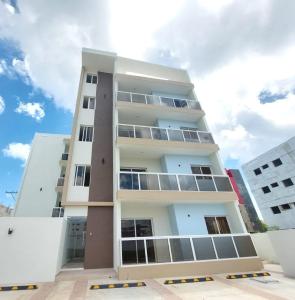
{"x":275,"y":184}
{"x":136,"y":228}
{"x":82,"y":176}
{"x":91,"y":78}
{"x":89,"y":102}
{"x":257,"y":171}
{"x":201,"y":170}
{"x":217,"y":225}
{"x":286,"y":206}
{"x":266,"y":189}
{"x":265,"y":166}
{"x":275,"y":210}
{"x":189,"y":128}
{"x":287,"y":182}
{"x":277,"y":162}
{"x":86,"y":133}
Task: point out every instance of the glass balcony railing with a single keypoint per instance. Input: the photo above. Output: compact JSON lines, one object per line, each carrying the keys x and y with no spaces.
{"x":157,"y":100}
{"x":175,"y":249}
{"x":57,"y":212}
{"x":164,"y":134}
{"x":60,"y":181}
{"x":174,"y":182}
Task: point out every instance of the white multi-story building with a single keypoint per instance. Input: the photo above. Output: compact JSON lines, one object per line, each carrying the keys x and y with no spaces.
{"x":141,"y":187}
{"x":271,"y":177}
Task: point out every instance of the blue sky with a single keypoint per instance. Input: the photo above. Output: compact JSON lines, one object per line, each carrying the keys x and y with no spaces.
{"x":18,"y":127}
{"x":239,"y":54}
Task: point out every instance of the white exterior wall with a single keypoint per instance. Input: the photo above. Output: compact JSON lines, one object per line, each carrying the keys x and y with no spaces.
{"x":81,"y":150}
{"x":32,"y":253}
{"x":158,"y":214}
{"x":278,"y":195}
{"x":37,"y":195}
{"x":152,"y":165}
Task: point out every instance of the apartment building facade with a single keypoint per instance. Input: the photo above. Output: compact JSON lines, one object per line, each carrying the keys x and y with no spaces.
{"x":143,"y":189}
{"x":246,"y":206}
{"x":271,"y":177}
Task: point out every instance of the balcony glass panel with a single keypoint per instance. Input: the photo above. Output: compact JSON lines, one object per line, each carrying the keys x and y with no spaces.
{"x":180,"y":103}
{"x":206,"y":137}
{"x":126,"y":131}
{"x":187,"y":183}
{"x":181,"y":249}
{"x":191,"y":136}
{"x":168,"y":182}
{"x":153,"y":99}
{"x":159,"y":134}
{"x":194,"y":105}
{"x":245,"y":246}
{"x":138,"y":98}
{"x":158,"y":251}
{"x":205,"y":183}
{"x":224,"y":247}
{"x":167,"y":101}
{"x":204,"y":248}
{"x":129,"y":181}
{"x":133,"y":252}
{"x":223,"y":184}
{"x":121,"y":96}
{"x":143,"y":132}
{"x":175,"y":135}
{"x":149,"y":182}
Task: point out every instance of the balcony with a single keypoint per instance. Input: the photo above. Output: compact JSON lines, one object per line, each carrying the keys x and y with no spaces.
{"x":174,"y":188}
{"x":158,"y":106}
{"x":166,"y":140}
{"x":59,"y":184}
{"x":57,"y":212}
{"x":143,"y":256}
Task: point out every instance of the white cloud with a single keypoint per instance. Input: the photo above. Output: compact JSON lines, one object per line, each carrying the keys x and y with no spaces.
{"x":233,"y":50}
{"x":17,"y":151}
{"x":32,"y":109}
{"x":2,"y":105}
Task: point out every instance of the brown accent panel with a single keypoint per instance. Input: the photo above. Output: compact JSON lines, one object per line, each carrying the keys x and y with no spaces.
{"x":99,"y":239}
{"x":101,"y":185}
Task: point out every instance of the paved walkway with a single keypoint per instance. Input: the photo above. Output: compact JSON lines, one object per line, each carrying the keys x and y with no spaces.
{"x":75,"y":285}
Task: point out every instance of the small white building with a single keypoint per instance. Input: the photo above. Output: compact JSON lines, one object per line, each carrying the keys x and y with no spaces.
{"x":271,"y":177}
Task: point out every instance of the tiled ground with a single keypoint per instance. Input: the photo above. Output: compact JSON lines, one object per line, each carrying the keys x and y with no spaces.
{"x":75,"y":285}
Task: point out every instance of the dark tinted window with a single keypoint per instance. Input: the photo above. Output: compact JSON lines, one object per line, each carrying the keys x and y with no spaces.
{"x":288,"y":182}
{"x":266,"y":189}
{"x":87,"y":177}
{"x":275,"y":210}
{"x":286,"y":206}
{"x":88,"y":78}
{"x":265,"y":166}
{"x":275,"y":184}
{"x":277,"y":162}
{"x":257,"y":171}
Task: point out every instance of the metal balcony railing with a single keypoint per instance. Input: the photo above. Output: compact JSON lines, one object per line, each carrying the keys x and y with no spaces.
{"x":65,"y":156}
{"x":57,"y":212}
{"x":174,"y":182}
{"x":60,"y":181}
{"x":175,"y":249}
{"x":164,"y":134}
{"x":157,"y":100}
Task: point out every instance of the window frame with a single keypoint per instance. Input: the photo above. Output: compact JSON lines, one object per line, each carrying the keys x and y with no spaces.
{"x":274,"y":184}
{"x":275,"y":207}
{"x":287,"y":206}
{"x":134,"y":224}
{"x":265,"y":166}
{"x":215,"y":218}
{"x":201,"y":166}
{"x":269,"y":190}
{"x":85,"y":133}
{"x":83,"y":176}
{"x":257,"y":169}
{"x":92,"y":77}
{"x":88,"y":98}
{"x":287,"y":185}
{"x":277,"y":160}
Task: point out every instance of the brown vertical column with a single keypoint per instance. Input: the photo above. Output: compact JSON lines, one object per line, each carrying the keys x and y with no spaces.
{"x":99,"y":239}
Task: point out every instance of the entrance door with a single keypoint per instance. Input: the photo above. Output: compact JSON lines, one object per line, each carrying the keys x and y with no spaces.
{"x":76,"y":232}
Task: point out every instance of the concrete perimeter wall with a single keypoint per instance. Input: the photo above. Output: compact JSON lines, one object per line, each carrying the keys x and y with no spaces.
{"x":32,"y":253}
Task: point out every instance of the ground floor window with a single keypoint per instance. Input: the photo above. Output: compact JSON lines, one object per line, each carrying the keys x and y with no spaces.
{"x":217,"y":225}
